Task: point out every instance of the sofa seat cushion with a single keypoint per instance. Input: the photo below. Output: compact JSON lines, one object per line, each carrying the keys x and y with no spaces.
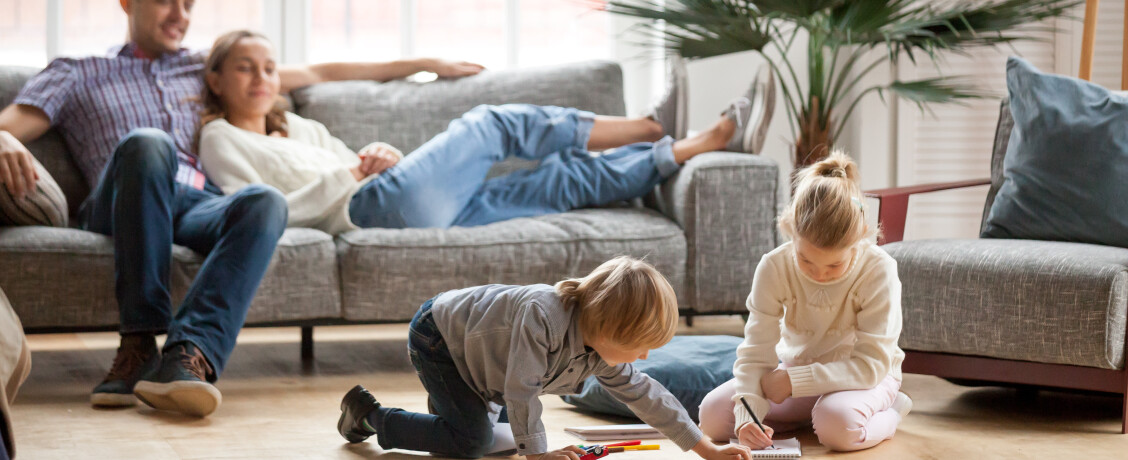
{"x":387,"y":273}
{"x":64,"y":278}
{"x":1047,"y":302}
{"x":301,"y":282}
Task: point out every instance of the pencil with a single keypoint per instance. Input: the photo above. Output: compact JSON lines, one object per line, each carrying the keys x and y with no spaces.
{"x":753,"y":414}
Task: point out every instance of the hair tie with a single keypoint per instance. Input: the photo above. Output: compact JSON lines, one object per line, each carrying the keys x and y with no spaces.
{"x":858,"y":203}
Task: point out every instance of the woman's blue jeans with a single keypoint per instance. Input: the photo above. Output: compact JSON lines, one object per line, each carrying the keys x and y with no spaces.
{"x":443,"y":182}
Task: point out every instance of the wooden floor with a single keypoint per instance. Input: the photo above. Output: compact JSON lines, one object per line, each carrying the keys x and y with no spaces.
{"x":275,"y":408}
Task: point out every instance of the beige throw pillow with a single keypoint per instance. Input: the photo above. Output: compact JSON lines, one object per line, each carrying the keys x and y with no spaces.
{"x":46,"y":205}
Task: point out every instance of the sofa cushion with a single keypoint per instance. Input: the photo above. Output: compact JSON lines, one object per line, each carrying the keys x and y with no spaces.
{"x":406,"y":114}
{"x":387,"y":273}
{"x":1047,"y":302}
{"x":61,"y":277}
{"x":49,"y":149}
{"x":301,"y":281}
{"x":1066,"y":161}
{"x":44,"y":205}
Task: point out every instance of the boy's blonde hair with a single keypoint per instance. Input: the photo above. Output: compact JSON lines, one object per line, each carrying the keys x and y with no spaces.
{"x":626,"y":301}
{"x":826,"y":209}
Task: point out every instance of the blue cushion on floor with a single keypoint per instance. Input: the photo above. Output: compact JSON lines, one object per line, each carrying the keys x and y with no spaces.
{"x":689,"y":366}
{"x":1066,"y":163}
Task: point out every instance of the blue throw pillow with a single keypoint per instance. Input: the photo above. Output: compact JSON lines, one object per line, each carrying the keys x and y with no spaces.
{"x":1065,"y":175}
{"x":689,"y":366}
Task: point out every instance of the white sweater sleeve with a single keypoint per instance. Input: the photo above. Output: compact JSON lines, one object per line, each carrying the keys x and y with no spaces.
{"x":878,"y":329}
{"x":232,"y":164}
{"x":757,"y":355}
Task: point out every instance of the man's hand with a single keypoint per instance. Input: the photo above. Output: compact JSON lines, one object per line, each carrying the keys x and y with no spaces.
{"x":452,"y":69}
{"x":776,"y":385}
{"x":17,"y":166}
{"x":709,"y":451}
{"x":750,"y":435}
{"x":376,"y":158}
{"x":567,"y":453}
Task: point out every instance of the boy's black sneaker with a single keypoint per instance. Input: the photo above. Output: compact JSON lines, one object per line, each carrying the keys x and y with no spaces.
{"x":136,"y":356}
{"x":181,"y":384}
{"x":355,"y":407}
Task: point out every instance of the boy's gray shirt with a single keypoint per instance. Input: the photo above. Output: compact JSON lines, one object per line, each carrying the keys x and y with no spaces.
{"x":512,"y":344}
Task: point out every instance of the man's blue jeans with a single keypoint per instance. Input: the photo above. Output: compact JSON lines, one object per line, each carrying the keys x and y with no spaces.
{"x":139,"y":203}
{"x":443,"y":182}
{"x":462,"y":424}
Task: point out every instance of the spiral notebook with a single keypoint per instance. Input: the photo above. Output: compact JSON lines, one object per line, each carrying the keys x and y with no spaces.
{"x":783,"y":448}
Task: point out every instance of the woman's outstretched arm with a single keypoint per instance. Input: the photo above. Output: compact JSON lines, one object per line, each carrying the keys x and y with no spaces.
{"x":294,"y":77}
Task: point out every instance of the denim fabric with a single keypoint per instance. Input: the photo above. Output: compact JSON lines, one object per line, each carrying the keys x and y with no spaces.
{"x":461,"y":425}
{"x":139,"y":203}
{"x":443,"y":182}
{"x":3,"y":446}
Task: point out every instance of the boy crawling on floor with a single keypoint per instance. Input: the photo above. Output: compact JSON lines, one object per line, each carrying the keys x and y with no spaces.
{"x":481,"y":348}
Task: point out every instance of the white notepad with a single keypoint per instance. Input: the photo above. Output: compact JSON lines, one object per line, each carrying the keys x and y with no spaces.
{"x":610,"y":432}
{"x":783,"y":448}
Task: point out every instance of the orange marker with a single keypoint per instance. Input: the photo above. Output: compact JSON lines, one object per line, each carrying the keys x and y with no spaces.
{"x":626,"y":448}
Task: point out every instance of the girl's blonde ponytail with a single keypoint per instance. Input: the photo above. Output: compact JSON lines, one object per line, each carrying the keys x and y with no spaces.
{"x":827,"y":208}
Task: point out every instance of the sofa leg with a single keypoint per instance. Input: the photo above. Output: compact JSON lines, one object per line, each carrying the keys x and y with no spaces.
{"x":307,"y":344}
{"x":1124,"y":416}
{"x":689,"y":319}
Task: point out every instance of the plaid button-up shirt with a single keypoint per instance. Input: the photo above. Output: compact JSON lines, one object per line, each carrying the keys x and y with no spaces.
{"x":95,"y":101}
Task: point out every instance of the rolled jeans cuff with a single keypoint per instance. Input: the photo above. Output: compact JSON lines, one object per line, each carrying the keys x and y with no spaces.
{"x":664,"y":157}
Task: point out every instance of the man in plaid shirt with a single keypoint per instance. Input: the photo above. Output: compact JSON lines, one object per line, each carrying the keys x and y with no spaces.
{"x":129,"y":119}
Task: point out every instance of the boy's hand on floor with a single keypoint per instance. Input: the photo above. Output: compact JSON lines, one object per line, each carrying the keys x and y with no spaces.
{"x":776,"y":386}
{"x":750,"y":435}
{"x":567,"y":453}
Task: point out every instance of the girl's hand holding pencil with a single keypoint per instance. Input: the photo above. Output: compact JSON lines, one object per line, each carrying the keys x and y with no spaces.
{"x":750,"y":435}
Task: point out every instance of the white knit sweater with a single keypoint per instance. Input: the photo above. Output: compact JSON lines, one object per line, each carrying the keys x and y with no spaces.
{"x":833,"y":336}
{"x":309,"y":166}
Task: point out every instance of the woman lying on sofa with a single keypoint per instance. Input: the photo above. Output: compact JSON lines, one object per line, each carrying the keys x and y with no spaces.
{"x":247,"y":138}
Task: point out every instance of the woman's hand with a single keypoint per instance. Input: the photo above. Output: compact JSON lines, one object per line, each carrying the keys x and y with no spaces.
{"x":709,"y":451}
{"x":452,"y":69}
{"x":567,"y":453}
{"x":750,"y":435}
{"x":776,"y":385}
{"x":376,"y":158}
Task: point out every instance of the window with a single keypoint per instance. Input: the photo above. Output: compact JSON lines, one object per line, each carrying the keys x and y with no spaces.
{"x":23,"y":32}
{"x":355,"y":30}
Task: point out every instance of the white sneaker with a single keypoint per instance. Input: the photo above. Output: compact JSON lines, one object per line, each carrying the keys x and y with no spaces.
{"x":672,"y":109}
{"x":752,"y":113}
{"x":903,"y":404}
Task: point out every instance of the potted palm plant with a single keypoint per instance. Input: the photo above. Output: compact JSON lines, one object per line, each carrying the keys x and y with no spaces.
{"x":840,"y":35}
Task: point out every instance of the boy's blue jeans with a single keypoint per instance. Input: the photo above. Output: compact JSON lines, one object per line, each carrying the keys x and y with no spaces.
{"x":461,"y":426}
{"x":443,"y":182}
{"x":139,"y":203}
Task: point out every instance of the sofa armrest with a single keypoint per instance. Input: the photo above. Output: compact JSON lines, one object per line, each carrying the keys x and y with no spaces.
{"x":894,"y":205}
{"x":726,"y":204}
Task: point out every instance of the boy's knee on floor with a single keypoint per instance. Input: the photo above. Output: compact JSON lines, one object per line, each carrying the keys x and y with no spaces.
{"x":476,"y":444}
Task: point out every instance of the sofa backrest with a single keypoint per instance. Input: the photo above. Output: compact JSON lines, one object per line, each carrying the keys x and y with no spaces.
{"x":998,"y":154}
{"x":401,"y":113}
{"x":50,"y":148}
{"x":406,"y":114}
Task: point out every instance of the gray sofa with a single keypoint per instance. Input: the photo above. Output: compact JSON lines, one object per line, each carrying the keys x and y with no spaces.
{"x":705,"y":228}
{"x":1040,"y":313}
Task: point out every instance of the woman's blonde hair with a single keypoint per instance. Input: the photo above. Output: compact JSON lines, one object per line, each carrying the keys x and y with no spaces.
{"x":213,"y":106}
{"x":625,"y":301}
{"x":826,"y":209}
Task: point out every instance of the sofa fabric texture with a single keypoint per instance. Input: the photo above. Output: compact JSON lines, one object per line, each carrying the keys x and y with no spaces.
{"x":1048,"y":302}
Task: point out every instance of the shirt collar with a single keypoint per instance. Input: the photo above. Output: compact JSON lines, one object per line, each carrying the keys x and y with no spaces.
{"x":130,"y":49}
